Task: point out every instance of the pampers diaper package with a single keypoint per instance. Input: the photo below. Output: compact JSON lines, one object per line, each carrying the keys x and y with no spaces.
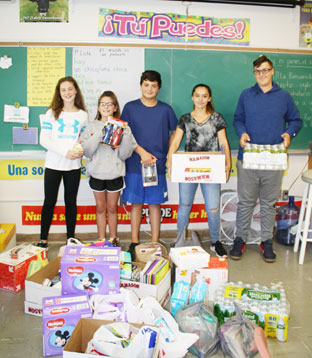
{"x":60,"y":314}
{"x":90,"y":270}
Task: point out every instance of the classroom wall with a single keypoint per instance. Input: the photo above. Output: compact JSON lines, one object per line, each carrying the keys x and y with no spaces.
{"x":275,"y":28}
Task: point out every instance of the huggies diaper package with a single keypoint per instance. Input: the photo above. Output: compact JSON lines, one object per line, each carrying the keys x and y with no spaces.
{"x":60,"y":314}
{"x":90,"y":270}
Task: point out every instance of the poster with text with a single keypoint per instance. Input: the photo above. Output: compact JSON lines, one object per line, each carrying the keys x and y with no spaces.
{"x":305,"y":33}
{"x":44,"y":10}
{"x":108,"y":68}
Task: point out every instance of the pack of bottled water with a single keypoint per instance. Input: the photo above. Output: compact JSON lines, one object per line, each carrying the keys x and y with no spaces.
{"x":265,"y":157}
{"x":266,"y":306}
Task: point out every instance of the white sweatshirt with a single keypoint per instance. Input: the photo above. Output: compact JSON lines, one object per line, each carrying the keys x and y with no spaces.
{"x":59,"y":136}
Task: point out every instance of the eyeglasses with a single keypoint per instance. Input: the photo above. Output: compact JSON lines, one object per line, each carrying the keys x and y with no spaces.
{"x":262,"y":72}
{"x":106,"y":104}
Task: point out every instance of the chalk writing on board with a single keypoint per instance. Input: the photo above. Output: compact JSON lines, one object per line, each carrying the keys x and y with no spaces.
{"x":45,"y":66}
{"x":295,"y":76}
{"x":100,"y":69}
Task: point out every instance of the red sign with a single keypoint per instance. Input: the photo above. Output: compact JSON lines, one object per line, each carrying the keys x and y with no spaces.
{"x":86,"y":215}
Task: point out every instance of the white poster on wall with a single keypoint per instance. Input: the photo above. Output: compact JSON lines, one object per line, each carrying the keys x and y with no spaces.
{"x":108,"y":68}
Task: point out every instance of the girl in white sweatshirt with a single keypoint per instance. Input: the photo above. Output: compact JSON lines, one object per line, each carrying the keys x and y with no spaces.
{"x":61,"y":126}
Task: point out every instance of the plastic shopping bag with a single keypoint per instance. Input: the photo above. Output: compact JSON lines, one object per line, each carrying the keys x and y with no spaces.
{"x":198,"y":318}
{"x":241,"y":338}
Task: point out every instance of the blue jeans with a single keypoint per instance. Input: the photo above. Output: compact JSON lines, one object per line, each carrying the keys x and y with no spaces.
{"x":211,"y":194}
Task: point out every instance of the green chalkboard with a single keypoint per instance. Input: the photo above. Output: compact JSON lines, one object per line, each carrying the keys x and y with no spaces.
{"x":13,"y":88}
{"x":228,"y":73}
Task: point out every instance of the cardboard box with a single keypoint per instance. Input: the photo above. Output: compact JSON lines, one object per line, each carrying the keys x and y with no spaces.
{"x":91,"y":270}
{"x":161,"y":291}
{"x":83,"y":333}
{"x":35,"y":291}
{"x":214,"y":275}
{"x":7,"y":236}
{"x":189,"y":257}
{"x":198,"y":167}
{"x":13,"y":271}
{"x":59,"y":317}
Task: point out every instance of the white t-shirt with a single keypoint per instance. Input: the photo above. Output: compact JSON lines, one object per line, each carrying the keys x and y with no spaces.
{"x":59,"y":136}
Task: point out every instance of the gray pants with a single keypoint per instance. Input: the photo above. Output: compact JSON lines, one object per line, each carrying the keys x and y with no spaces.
{"x":251,"y":185}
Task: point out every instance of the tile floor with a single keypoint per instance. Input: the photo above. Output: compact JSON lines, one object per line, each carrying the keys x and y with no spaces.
{"x":21,"y":334}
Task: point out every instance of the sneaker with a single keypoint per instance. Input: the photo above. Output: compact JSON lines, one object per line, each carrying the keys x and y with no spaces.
{"x":115,"y":241}
{"x":74,"y":242}
{"x":41,"y":244}
{"x":218,"y":248}
{"x":237,"y":249}
{"x":268,"y":253}
{"x":132,"y":250}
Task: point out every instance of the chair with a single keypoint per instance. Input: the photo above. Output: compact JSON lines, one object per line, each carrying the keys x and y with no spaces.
{"x":304,"y":217}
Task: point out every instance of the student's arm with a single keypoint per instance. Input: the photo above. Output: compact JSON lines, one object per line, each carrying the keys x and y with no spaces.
{"x":171,"y":137}
{"x":294,"y":123}
{"x":146,"y":157}
{"x":175,"y":141}
{"x":239,"y":122}
{"x":90,"y":139}
{"x":224,"y":142}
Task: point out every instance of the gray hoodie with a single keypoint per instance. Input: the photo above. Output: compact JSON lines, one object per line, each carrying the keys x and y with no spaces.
{"x":105,"y":162}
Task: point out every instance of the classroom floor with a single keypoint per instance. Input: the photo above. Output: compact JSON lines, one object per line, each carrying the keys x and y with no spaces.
{"x":21,"y":334}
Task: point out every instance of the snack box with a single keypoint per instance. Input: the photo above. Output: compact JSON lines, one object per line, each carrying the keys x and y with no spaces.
{"x":60,"y":315}
{"x":13,"y":271}
{"x":35,"y":291}
{"x":215,"y":274}
{"x":198,"y":167}
{"x":7,"y":237}
{"x":90,"y":270}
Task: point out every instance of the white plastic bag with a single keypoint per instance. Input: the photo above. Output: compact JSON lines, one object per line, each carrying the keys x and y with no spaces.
{"x":151,"y":311}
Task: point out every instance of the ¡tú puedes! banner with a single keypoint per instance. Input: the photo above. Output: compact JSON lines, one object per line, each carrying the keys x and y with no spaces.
{"x":173,"y":27}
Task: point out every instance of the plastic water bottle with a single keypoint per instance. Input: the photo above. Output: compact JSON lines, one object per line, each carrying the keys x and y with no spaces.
{"x":287,"y":216}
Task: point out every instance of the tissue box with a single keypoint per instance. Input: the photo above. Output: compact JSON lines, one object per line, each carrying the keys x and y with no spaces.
{"x":13,"y":271}
{"x":7,"y":236}
{"x":35,"y":291}
{"x":59,"y":317}
{"x":198,"y":167}
{"x":215,"y":274}
{"x":90,"y":270}
{"x":190,"y":257}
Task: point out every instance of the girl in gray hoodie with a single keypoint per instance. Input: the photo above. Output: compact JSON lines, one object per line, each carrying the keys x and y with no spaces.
{"x":106,"y":165}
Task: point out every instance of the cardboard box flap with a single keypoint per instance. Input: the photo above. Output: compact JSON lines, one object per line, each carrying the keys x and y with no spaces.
{"x":47,"y":271}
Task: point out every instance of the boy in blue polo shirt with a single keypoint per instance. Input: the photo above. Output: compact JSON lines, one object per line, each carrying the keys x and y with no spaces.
{"x":152,"y":123}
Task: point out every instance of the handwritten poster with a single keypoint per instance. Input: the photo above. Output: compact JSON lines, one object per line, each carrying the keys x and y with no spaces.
{"x":45,"y":66}
{"x":108,"y":68}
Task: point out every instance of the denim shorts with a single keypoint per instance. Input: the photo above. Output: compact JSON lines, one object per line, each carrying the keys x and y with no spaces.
{"x":136,"y":193}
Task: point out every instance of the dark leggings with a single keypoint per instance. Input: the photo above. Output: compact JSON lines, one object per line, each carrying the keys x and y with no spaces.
{"x":52,"y":180}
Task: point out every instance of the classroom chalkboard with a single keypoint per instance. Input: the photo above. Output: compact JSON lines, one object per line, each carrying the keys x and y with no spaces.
{"x":226,"y":72}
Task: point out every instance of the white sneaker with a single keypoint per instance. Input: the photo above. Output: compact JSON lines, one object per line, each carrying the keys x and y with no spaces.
{"x":74,"y":242}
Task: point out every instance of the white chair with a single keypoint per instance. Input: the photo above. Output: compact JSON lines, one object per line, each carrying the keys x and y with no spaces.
{"x":304,"y":217}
